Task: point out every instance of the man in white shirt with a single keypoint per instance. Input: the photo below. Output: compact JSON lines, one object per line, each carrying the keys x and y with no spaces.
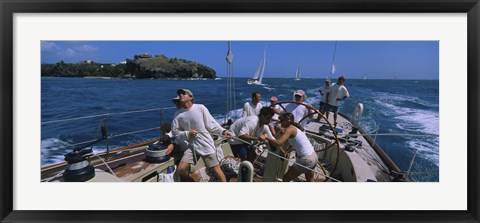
{"x":250,"y":129}
{"x":337,"y":93}
{"x":194,"y":123}
{"x":299,"y":111}
{"x":252,"y":107}
{"x":323,"y":93}
{"x":176,"y":147}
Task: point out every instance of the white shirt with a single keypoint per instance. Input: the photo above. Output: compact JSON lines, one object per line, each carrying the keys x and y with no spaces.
{"x":298,"y":111}
{"x":337,"y":91}
{"x":323,"y":92}
{"x":250,"y":109}
{"x":249,"y":126}
{"x":199,"y":118}
{"x":302,"y":145}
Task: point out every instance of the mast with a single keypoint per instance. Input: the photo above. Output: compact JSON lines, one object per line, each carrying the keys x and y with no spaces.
{"x":231,"y":100}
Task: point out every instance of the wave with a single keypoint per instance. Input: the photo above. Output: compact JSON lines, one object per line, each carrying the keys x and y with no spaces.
{"x":417,"y":104}
{"x":427,"y":150}
{"x":418,"y":118}
{"x":403,"y":101}
{"x":268,"y":88}
{"x":54,"y":149}
{"x":234,"y":115}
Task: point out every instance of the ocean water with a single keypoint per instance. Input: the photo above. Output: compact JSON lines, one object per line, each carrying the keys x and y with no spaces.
{"x":405,"y":113}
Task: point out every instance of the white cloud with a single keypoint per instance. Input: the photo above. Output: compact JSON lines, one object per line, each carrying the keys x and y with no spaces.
{"x":86,"y":48}
{"x":49,"y":47}
{"x":70,"y":53}
{"x":53,"y":52}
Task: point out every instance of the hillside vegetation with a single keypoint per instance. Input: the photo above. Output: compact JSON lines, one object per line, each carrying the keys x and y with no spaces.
{"x":141,"y":66}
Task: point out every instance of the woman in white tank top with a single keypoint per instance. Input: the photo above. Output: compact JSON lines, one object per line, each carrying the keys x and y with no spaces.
{"x":305,"y":154}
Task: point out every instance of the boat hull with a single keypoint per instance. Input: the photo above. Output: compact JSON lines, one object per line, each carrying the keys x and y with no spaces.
{"x":254,"y":82}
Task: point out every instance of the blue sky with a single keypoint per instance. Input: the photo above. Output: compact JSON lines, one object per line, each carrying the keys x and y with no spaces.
{"x":354,"y":59}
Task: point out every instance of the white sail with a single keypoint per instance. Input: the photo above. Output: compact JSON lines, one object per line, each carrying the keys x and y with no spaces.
{"x":297,"y":74}
{"x":229,"y":57}
{"x":257,"y":78}
{"x":334,"y":68}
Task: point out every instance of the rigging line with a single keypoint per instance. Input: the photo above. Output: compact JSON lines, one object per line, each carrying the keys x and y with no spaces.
{"x":109,"y":137}
{"x":422,"y":173}
{"x":117,"y":113}
{"x":105,"y":163}
{"x":391,"y":134}
{"x":229,"y":82}
{"x":107,"y":114}
{"x":129,"y":133}
{"x":411,"y":163}
{"x":233,"y":92}
{"x":228,"y":96}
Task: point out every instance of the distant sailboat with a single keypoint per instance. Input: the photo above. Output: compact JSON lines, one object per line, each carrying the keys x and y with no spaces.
{"x":297,"y":74}
{"x":364,"y":77}
{"x":257,"y":78}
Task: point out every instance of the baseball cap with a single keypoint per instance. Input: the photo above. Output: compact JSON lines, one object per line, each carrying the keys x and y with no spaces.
{"x":185,"y":91}
{"x":299,"y":92}
{"x":273,"y":98}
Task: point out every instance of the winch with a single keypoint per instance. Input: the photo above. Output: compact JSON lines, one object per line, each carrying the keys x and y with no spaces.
{"x":78,"y":168}
{"x":157,"y":153}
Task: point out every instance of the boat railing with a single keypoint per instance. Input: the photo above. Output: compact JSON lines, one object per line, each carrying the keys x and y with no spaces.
{"x":107,"y":116}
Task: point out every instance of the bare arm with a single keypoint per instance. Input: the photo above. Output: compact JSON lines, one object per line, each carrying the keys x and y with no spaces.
{"x":283,"y":138}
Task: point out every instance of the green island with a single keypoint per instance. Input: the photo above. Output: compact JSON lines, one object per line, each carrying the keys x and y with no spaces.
{"x":140,"y":67}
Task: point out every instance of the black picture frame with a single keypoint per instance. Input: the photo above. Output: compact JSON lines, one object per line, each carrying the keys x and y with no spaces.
{"x":10,"y":7}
